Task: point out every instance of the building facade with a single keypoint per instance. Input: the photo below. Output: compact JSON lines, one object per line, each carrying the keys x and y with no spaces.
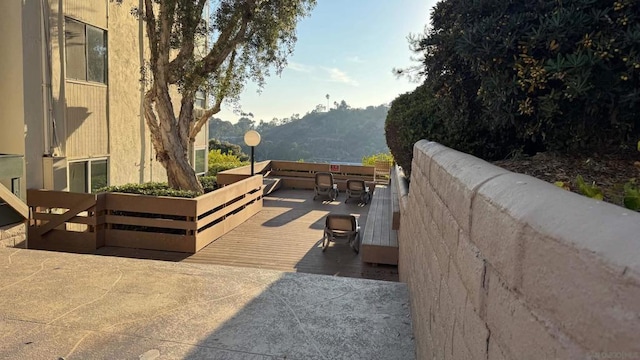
{"x":71,"y":96}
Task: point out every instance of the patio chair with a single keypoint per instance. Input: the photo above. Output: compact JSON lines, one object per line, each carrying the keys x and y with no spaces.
{"x":324,"y":186}
{"x":345,"y":227}
{"x":358,"y":189}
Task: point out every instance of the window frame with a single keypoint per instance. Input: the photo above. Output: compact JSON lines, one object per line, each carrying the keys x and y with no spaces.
{"x":86,"y":28}
{"x":200,"y":97}
{"x":206,"y":155}
{"x":88,"y":163}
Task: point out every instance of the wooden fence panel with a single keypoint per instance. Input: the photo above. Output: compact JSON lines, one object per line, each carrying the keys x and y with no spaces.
{"x":161,"y":205}
{"x":150,"y":240}
{"x":298,"y":166}
{"x":62,"y":221}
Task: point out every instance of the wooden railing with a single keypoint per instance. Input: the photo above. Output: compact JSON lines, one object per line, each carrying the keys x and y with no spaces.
{"x":12,"y":208}
{"x":301,"y":175}
{"x":20,"y":207}
{"x":63,"y":221}
{"x":231,"y":176}
{"x":139,"y":221}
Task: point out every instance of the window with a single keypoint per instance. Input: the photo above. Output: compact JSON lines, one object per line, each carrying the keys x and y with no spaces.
{"x":200,"y":162}
{"x":86,"y":52}
{"x":88,"y":175}
{"x":200,"y":101}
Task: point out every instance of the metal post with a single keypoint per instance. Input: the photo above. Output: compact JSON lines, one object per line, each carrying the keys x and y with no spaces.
{"x":252,"y":160}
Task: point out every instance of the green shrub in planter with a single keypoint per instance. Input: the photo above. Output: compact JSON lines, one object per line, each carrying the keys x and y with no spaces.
{"x":150,"y":188}
{"x":221,"y":162}
{"x":208,"y":183}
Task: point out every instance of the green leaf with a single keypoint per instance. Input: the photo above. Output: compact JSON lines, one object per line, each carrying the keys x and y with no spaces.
{"x":562,"y":184}
{"x":631,"y":195}
{"x":591,"y":191}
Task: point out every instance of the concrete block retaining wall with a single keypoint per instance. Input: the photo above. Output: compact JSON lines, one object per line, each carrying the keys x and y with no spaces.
{"x":505,"y":266}
{"x":13,"y":235}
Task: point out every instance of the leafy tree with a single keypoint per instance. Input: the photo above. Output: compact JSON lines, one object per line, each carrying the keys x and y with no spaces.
{"x":219,"y":128}
{"x":504,"y":77}
{"x":411,"y":118}
{"x":226,"y":147}
{"x":371,"y":159}
{"x":243,"y":125}
{"x":565,"y":73}
{"x":247,"y":39}
{"x":345,"y":134}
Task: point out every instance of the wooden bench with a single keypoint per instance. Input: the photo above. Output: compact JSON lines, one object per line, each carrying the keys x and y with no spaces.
{"x":380,"y":241}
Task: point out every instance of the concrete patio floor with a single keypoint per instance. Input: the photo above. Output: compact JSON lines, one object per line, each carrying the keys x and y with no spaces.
{"x":57,"y":305}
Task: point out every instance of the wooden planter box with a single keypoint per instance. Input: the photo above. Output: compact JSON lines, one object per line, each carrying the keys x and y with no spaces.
{"x":84,"y":222}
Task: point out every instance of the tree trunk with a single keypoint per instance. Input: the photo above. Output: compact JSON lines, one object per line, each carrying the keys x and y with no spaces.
{"x":171,"y":145}
{"x":180,"y":173}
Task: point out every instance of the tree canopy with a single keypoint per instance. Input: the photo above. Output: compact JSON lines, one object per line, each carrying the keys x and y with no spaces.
{"x":341,"y":134}
{"x":241,"y":40}
{"x":510,"y":77}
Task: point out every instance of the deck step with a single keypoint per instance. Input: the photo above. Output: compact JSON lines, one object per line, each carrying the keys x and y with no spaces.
{"x":271,"y":185}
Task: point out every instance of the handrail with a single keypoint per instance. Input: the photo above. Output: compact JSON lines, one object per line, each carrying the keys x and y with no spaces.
{"x":18,"y":205}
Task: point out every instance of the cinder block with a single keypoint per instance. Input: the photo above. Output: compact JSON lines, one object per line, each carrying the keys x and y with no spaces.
{"x":423,"y":150}
{"x":446,"y":313}
{"x":450,"y":230}
{"x":432,"y":201}
{"x":458,"y":294}
{"x":455,"y":177}
{"x":570,"y":218}
{"x":475,"y":332}
{"x":441,"y":250}
{"x":420,"y":159}
{"x":13,"y":231}
{"x":471,"y":267}
{"x":437,"y":210}
{"x":595,"y":305}
{"x":498,"y":236}
{"x":514,"y":325}
{"x":432,"y":266}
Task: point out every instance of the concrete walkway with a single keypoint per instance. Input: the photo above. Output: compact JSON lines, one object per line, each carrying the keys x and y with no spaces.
{"x":56,"y":305}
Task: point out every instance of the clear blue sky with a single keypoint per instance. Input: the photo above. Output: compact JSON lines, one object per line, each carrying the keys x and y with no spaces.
{"x":347,"y":49}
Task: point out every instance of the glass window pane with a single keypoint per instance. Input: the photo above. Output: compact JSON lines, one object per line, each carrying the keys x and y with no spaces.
{"x":96,"y":55}
{"x":200,"y":161}
{"x":75,"y":50}
{"x":78,"y":177}
{"x":200,"y":100}
{"x":99,"y":177}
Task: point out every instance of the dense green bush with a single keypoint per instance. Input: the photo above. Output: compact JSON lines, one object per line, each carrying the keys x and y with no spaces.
{"x":161,"y":188}
{"x":208,"y":183}
{"x":564,"y":73}
{"x":150,"y":188}
{"x":409,"y":119}
{"x":504,"y":77}
{"x":371,"y":160}
{"x":219,"y":161}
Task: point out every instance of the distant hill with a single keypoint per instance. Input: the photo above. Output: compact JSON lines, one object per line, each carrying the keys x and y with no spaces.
{"x":342,"y":134}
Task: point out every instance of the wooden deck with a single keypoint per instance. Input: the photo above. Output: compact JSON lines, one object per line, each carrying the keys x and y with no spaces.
{"x":286,"y":235}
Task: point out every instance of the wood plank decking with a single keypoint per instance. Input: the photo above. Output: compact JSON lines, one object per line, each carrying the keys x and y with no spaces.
{"x":286,"y":235}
